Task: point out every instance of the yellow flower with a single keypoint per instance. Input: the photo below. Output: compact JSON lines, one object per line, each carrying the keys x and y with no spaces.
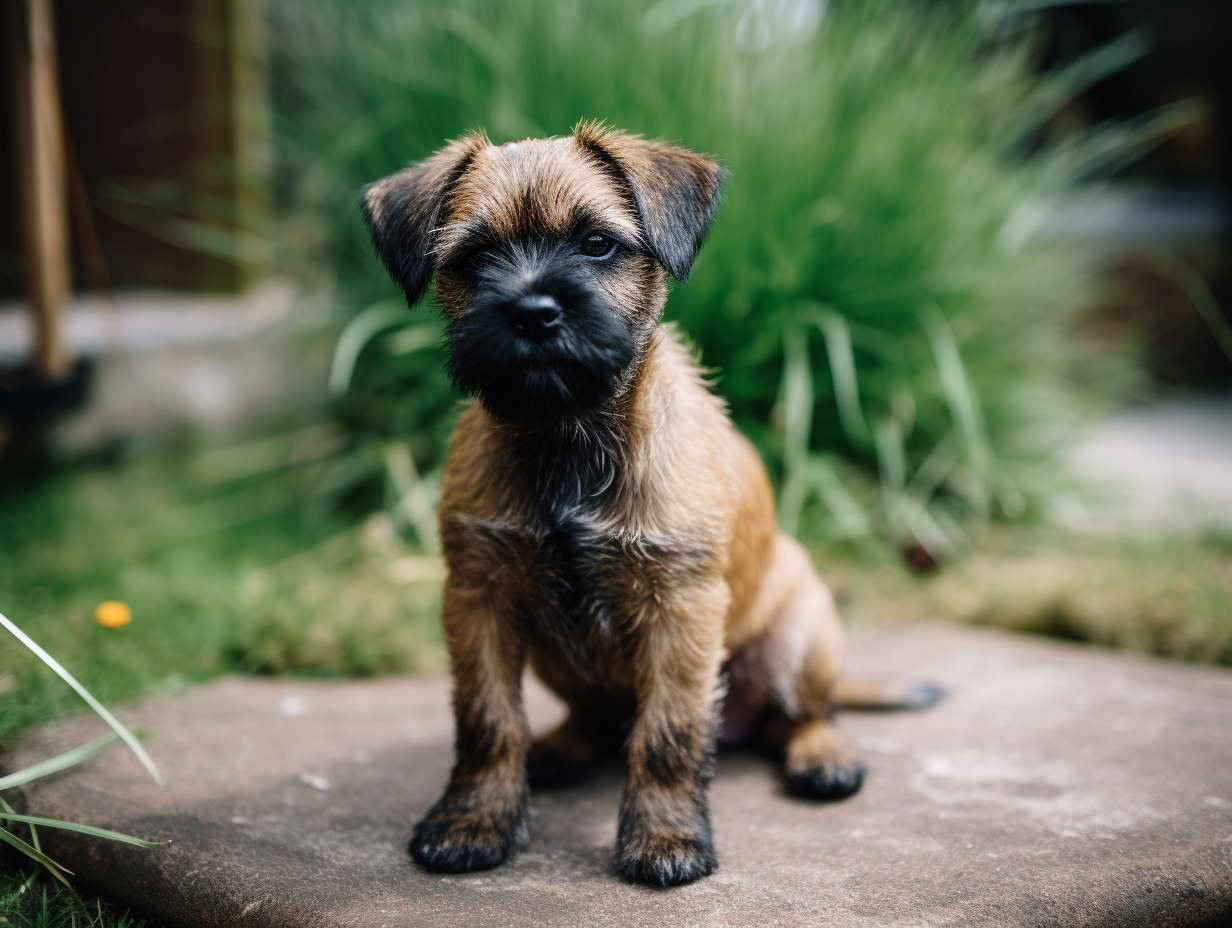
{"x":112,"y":614}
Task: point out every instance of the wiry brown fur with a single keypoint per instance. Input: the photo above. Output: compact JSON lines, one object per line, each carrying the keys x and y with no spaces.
{"x":628,"y":555}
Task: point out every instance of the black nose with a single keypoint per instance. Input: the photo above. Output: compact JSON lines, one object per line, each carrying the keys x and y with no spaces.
{"x":535,"y":315}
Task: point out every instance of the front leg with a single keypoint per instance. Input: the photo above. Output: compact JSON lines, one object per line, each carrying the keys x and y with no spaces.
{"x":664,"y":836}
{"x":481,"y":818}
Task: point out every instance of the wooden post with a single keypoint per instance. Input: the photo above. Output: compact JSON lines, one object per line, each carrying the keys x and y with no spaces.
{"x":41,"y":175}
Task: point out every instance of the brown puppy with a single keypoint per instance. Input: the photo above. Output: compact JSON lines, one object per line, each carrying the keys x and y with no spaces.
{"x":600,"y":516}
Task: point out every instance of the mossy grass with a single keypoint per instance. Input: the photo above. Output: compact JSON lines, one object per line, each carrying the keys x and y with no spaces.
{"x":222,"y":572}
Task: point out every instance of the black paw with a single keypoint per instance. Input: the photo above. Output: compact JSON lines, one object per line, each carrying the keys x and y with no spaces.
{"x":923,"y":695}
{"x":667,"y":860}
{"x":833,"y":782}
{"x":453,"y":838}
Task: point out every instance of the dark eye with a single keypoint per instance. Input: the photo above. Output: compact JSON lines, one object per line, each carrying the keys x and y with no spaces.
{"x":470,"y":260}
{"x":597,"y":245}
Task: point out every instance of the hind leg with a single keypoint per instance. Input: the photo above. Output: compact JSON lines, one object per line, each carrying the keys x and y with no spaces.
{"x":798,"y":656}
{"x":565,"y":756}
{"x":818,"y":762}
{"x":591,"y":732}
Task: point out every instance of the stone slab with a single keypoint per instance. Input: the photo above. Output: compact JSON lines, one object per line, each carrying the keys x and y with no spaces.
{"x":1058,"y":785}
{"x":172,"y":366}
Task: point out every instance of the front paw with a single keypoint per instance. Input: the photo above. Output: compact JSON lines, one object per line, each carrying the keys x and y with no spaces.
{"x":665,"y":849}
{"x":667,"y":858}
{"x":461,"y":836}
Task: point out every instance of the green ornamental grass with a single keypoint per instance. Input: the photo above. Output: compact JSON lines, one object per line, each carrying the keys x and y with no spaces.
{"x":872,"y":299}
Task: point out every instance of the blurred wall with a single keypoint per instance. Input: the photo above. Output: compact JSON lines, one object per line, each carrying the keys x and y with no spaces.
{"x":166,"y":118}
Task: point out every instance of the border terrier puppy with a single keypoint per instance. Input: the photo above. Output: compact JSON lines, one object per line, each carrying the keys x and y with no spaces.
{"x":601,"y":518}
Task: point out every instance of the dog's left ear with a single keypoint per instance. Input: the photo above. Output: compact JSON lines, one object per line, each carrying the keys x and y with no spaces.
{"x":675,"y":190}
{"x":403,"y":212}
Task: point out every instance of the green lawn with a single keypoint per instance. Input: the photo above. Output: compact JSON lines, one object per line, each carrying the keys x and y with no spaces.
{"x":223,"y":573}
{"x":1167,"y":596}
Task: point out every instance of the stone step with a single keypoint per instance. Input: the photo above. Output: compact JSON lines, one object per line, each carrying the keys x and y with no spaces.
{"x":170,"y":366}
{"x":1057,"y":785}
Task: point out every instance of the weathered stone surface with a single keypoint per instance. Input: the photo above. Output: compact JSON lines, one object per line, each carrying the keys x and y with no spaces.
{"x":1057,"y":785}
{"x":170,"y":365}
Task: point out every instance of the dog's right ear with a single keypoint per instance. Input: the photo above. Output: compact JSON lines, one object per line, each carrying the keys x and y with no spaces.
{"x":676,"y":191}
{"x":404,"y":210}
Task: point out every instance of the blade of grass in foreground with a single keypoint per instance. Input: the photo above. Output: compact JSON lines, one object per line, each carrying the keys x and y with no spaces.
{"x":116,"y":725}
{"x":55,"y":869}
{"x":34,"y":841}
{"x":60,"y":762}
{"x":83,"y":829}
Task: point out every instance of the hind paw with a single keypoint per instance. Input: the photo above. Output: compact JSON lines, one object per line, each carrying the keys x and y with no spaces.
{"x":829,"y":782}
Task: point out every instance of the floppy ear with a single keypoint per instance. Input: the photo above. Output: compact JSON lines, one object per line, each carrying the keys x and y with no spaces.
{"x":403,"y":211}
{"x":676,"y":191}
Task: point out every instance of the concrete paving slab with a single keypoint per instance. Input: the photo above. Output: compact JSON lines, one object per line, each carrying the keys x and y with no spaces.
{"x":1058,"y":785}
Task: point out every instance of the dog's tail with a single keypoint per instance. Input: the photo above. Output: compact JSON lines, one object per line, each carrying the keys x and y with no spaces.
{"x":876,"y":696}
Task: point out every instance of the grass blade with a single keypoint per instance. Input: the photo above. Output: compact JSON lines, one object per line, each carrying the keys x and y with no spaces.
{"x":55,"y":869}
{"x":415,"y":496}
{"x":964,"y":405}
{"x":59,"y":762}
{"x":116,"y":725}
{"x":797,"y":406}
{"x":797,"y":396}
{"x":413,"y":338}
{"x":81,"y":829}
{"x":926,"y":530}
{"x":843,"y":373}
{"x":891,"y":455}
{"x":34,"y":840}
{"x":1109,"y":58}
{"x":1200,"y":296}
{"x":355,"y":337}
{"x":852,"y":520}
{"x":933,"y":470}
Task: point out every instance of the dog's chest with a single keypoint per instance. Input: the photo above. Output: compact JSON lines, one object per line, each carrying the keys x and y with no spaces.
{"x":577,"y":584}
{"x":577,"y":589}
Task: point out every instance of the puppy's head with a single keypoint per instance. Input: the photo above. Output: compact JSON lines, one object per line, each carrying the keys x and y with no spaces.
{"x":549,"y":256}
